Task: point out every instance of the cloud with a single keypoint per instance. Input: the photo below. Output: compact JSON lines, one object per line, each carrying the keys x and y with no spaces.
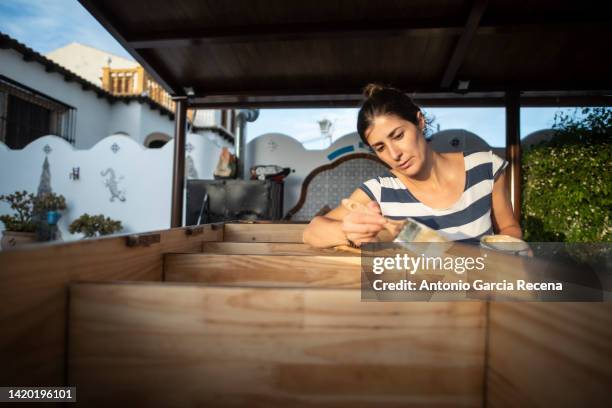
{"x":50,"y":24}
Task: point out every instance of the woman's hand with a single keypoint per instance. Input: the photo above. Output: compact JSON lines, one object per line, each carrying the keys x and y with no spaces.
{"x":363,"y":224}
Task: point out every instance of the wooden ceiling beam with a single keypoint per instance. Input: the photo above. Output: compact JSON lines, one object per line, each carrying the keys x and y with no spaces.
{"x":493,"y":99}
{"x":462,"y":46}
{"x":309,"y":31}
{"x":291,"y":32}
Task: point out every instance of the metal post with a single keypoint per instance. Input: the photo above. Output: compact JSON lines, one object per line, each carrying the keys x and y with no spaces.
{"x":513,"y":149}
{"x":242,"y":117}
{"x":239,"y":145}
{"x":178,"y":167}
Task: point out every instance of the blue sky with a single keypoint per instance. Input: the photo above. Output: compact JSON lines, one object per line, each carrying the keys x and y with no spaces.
{"x":488,"y":123}
{"x":45,"y":25}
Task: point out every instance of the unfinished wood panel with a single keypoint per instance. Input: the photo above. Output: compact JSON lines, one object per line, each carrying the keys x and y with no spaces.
{"x":33,"y":289}
{"x":179,"y":345}
{"x":282,"y":232}
{"x":264,"y":270}
{"x":550,"y":355}
{"x":267,"y":248}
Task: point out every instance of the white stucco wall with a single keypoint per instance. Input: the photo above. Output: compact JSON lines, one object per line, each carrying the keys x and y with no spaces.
{"x":144,"y":176}
{"x":95,"y":117}
{"x":125,"y":118}
{"x":285,"y":151}
{"x":138,"y":121}
{"x":207,"y":117}
{"x":152,"y":121}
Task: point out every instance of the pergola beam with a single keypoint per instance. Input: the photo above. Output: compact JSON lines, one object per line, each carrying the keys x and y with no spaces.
{"x":495,"y":99}
{"x":513,"y":149}
{"x":309,"y":31}
{"x":462,"y":46}
{"x":178,"y":167}
{"x":290,"y":32}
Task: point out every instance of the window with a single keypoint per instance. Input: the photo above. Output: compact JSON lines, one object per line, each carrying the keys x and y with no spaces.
{"x":26,"y":115}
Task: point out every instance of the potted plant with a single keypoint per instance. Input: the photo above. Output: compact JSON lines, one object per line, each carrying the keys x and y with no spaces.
{"x":51,"y":204}
{"x":19,"y":227}
{"x":94,"y":225}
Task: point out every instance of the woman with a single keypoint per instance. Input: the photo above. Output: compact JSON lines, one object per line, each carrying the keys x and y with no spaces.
{"x":461,"y":195}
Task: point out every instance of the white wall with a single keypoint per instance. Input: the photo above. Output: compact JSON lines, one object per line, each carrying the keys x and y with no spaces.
{"x":285,"y":151}
{"x":95,"y":117}
{"x":144,"y":176}
{"x":208,"y":117}
{"x":125,"y":118}
{"x":152,"y":121}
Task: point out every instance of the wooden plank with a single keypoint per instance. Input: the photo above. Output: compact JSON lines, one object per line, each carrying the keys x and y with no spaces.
{"x":267,"y":248}
{"x":183,"y":345}
{"x":550,"y":355}
{"x":513,"y":149}
{"x":336,"y":271}
{"x":281,"y":232}
{"x":33,"y":289}
{"x":178,"y":161}
{"x":463,"y":44}
{"x":293,"y":32}
{"x":264,"y":270}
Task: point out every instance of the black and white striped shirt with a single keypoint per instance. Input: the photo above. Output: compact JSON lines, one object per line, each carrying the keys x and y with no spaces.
{"x":468,"y":219}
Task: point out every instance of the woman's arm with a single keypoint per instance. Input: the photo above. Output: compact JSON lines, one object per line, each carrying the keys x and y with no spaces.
{"x":340,"y":225}
{"x":502,"y":214}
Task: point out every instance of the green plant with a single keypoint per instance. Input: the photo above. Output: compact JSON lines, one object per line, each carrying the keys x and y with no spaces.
{"x":51,"y":202}
{"x":23,"y":204}
{"x":567,"y":182}
{"x":94,"y":225}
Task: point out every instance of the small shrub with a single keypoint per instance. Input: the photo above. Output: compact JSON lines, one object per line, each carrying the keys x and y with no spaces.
{"x":94,"y":225}
{"x":23,"y":203}
{"x":51,"y":202}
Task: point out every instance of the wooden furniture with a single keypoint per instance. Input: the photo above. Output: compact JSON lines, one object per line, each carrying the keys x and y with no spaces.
{"x":34,"y":291}
{"x":247,"y":315}
{"x":182,"y":345}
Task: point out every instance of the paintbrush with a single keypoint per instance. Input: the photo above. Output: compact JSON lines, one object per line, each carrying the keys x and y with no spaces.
{"x":405,"y":230}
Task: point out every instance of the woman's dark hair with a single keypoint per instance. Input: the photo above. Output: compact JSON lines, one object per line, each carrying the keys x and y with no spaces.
{"x":384,"y":100}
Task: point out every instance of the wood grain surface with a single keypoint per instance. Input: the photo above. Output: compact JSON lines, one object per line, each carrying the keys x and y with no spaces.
{"x":281,"y":232}
{"x":180,"y":345}
{"x":550,"y":355}
{"x":264,"y":270}
{"x":34,"y":287}
{"x":267,"y":248}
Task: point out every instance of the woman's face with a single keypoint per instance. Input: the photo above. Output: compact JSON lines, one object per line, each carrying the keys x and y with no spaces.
{"x":399,"y":143}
